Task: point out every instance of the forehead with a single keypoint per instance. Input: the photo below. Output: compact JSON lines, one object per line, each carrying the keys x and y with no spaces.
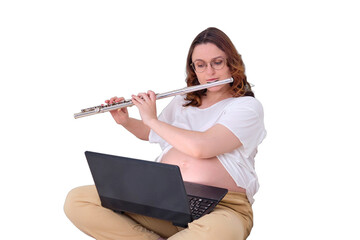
{"x":206,"y":52}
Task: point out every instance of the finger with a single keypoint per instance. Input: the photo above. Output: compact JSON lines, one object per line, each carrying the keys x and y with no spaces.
{"x":124,"y":110}
{"x":108,"y":100}
{"x":151,"y":95}
{"x":112,"y":100}
{"x":119,"y":99}
{"x":137,"y":100}
{"x":144,"y":96}
{"x":141,"y":94}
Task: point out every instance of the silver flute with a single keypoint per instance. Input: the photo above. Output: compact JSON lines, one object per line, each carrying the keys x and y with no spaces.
{"x":128,"y":103}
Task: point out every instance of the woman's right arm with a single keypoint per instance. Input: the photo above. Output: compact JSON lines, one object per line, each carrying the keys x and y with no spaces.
{"x":135,"y":126}
{"x":138,"y":128}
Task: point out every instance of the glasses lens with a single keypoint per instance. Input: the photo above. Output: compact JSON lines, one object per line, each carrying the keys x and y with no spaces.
{"x":218,"y":63}
{"x":199,"y":66}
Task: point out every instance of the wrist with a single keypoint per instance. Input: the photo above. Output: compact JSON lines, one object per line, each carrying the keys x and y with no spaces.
{"x":126,"y":124}
{"x":151,"y":122}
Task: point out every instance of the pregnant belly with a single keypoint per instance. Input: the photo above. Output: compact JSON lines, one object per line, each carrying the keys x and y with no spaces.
{"x":208,"y":171}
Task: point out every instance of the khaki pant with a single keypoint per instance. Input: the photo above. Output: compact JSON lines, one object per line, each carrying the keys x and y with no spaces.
{"x":231,"y":219}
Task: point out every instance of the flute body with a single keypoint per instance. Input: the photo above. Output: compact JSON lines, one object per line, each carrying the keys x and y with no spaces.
{"x":127,"y":103}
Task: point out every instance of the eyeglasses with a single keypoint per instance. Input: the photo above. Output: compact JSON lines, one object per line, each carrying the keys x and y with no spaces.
{"x":200,"y":66}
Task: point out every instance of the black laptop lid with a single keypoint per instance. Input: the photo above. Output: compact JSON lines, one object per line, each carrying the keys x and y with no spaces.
{"x":133,"y":185}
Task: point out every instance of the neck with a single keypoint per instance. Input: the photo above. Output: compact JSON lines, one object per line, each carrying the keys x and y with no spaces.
{"x":215,"y":97}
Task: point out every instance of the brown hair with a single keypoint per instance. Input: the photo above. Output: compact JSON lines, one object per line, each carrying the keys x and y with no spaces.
{"x":240,"y":86}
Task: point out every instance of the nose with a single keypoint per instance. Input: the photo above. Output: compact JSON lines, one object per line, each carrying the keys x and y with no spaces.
{"x":209,"y":69}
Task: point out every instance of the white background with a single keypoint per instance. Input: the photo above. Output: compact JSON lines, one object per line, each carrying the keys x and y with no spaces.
{"x":57,"y":57}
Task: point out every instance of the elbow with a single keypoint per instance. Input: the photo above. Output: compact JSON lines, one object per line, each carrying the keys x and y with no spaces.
{"x":196,"y":154}
{"x":144,"y":138}
{"x":200,"y":152}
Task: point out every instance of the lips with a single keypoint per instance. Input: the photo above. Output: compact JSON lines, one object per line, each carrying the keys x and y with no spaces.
{"x":212,"y":80}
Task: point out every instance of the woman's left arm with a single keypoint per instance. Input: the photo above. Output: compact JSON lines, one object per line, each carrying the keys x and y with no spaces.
{"x":216,"y":140}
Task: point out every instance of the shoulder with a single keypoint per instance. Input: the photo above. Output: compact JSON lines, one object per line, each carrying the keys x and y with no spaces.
{"x":180,"y":99}
{"x":245,"y":103}
{"x":175,"y":105}
{"x":178,"y":102}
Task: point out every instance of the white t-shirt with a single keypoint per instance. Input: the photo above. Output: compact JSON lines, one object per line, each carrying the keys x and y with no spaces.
{"x":243,"y":116}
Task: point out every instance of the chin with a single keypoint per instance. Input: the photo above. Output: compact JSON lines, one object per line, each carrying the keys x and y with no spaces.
{"x":214,"y":89}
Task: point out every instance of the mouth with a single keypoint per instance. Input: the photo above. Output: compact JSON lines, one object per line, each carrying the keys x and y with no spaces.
{"x":212,"y":80}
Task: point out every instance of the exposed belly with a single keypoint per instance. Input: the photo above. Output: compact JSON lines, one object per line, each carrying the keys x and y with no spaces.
{"x":208,"y":171}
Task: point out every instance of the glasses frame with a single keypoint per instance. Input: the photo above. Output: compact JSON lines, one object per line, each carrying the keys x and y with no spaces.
{"x":207,"y":64}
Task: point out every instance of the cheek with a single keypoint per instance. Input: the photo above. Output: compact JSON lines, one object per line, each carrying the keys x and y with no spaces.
{"x":227,"y":72}
{"x":199,"y":76}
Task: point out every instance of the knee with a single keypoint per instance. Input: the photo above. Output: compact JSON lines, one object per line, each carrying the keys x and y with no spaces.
{"x":75,"y":199}
{"x":71,"y":202}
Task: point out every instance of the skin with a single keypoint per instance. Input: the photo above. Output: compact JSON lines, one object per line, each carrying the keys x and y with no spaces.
{"x":194,"y":152}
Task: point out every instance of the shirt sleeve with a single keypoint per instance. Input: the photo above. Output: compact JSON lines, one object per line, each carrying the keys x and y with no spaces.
{"x":246,"y":120}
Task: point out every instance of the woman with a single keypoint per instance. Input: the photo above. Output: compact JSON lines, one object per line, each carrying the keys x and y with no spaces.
{"x":212,"y":135}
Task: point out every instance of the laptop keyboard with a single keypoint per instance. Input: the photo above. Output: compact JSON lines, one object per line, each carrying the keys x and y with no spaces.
{"x":198,"y":206}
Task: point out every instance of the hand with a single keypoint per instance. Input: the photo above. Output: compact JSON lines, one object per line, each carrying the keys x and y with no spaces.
{"x":121,"y":116}
{"x":146,"y":103}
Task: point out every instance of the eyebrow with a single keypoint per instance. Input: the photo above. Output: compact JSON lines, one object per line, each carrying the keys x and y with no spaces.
{"x":210,"y":60}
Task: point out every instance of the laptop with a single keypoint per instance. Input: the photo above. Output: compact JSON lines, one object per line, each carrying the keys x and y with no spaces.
{"x":150,"y":188}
